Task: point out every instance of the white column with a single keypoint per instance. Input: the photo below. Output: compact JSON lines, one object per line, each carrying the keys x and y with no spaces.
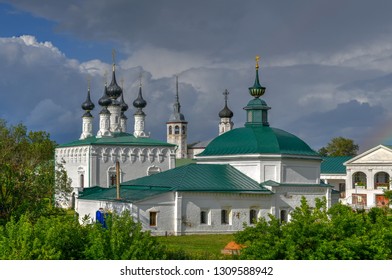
{"x":123,"y":124}
{"x":139,"y":126}
{"x":87,"y":127}
{"x":115,"y":113}
{"x":104,"y":125}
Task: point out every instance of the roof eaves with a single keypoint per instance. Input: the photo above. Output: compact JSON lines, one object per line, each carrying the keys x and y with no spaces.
{"x":276,"y":184}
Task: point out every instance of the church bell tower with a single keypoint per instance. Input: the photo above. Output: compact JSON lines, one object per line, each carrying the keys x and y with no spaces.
{"x":177,"y":128}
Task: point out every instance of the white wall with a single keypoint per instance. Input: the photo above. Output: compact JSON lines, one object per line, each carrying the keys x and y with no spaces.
{"x":140,"y":211}
{"x":280,"y":169}
{"x":178,"y":213}
{"x":300,"y":171}
{"x":95,"y":162}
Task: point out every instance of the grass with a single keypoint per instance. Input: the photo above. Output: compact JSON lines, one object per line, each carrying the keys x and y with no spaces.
{"x":199,"y":247}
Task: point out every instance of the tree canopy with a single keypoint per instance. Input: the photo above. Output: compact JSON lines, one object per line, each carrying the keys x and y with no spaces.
{"x":27,"y":177}
{"x":339,"y":233}
{"x":340,"y":146}
{"x":62,"y":237}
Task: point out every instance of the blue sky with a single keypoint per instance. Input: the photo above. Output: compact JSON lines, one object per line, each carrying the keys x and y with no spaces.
{"x":327,"y":65}
{"x":19,"y":22}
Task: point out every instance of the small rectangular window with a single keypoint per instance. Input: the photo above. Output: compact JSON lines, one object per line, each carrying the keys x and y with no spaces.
{"x":224,"y":217}
{"x":252,"y":216}
{"x":153,"y":219}
{"x":203,"y":217}
{"x":283,"y":216}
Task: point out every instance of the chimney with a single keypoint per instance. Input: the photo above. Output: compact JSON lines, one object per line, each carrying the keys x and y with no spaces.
{"x":118,"y":179}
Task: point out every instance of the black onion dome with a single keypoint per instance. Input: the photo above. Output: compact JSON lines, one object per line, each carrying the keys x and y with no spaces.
{"x":104,"y":101}
{"x":114,"y":90}
{"x":124,"y":106}
{"x":226,"y":112}
{"x":139,"y":102}
{"x":88,"y":105}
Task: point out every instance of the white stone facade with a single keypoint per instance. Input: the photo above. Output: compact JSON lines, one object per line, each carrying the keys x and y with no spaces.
{"x":367,"y":176}
{"x":280,"y":169}
{"x":180,"y":213}
{"x":93,"y":165}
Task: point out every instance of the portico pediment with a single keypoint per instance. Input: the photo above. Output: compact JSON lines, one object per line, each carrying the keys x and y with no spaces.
{"x":378,"y":155}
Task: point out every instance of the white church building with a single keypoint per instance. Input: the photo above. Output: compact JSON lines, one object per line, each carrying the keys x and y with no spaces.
{"x":91,"y":160}
{"x":243,"y":174}
{"x":361,"y":180}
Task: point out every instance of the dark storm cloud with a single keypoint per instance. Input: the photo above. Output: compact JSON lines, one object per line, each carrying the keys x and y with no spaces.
{"x":323,"y":62}
{"x":221,"y":28}
{"x":352,"y":120}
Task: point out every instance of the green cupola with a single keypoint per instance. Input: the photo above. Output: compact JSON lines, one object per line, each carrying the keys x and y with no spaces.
{"x":257,"y":109}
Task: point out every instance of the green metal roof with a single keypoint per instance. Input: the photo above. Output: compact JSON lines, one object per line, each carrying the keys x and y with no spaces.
{"x":257,"y":139}
{"x":119,"y":139}
{"x":256,"y":103}
{"x":201,"y":177}
{"x":334,"y":165}
{"x":129,"y":194}
{"x":187,"y":178}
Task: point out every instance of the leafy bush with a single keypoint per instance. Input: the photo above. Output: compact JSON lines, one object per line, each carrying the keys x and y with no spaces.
{"x":318,"y":233}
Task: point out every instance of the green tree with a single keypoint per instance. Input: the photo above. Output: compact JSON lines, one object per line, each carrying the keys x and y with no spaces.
{"x":62,"y":237}
{"x":340,"y":146}
{"x":59,"y":237}
{"x":123,"y":239}
{"x":27,"y":177}
{"x":318,"y":233}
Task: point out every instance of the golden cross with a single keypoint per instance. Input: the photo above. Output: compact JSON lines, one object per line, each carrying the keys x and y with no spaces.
{"x":257,"y":61}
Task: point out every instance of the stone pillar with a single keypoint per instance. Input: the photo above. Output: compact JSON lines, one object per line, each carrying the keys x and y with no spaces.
{"x":87,"y":127}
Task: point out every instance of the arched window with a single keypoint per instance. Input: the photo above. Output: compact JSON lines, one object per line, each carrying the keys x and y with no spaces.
{"x":176,"y":129}
{"x":170,"y":130}
{"x":359,"y":180}
{"x":381,"y":180}
{"x":81,"y":183}
{"x":113,"y":178}
{"x":81,"y":176}
{"x":183,"y":129}
{"x":153,"y":170}
{"x":73,"y":201}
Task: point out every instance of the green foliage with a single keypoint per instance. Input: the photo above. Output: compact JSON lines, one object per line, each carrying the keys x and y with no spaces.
{"x":318,"y":233}
{"x":123,"y":239}
{"x":340,"y":146}
{"x":54,"y":238}
{"x":27,"y":177}
{"x":62,"y":237}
